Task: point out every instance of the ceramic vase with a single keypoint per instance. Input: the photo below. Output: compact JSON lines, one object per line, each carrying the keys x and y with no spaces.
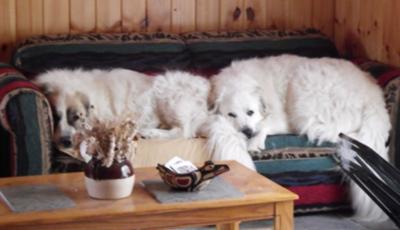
{"x":114,"y":182}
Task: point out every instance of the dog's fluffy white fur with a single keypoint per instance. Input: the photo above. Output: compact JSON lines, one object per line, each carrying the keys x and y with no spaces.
{"x":175,"y":101}
{"x":316,"y":97}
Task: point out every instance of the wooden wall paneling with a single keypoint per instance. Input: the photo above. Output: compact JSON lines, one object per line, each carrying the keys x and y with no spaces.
{"x":108,"y":16}
{"x":390,"y":50}
{"x":353,"y":44}
{"x":369,"y":30}
{"x":232,"y":15}
{"x":323,"y":16}
{"x":37,"y":17}
{"x":207,"y":15}
{"x":82,"y":16}
{"x":23,"y":19}
{"x":341,"y":24}
{"x":255,"y":14}
{"x":276,"y":14}
{"x":29,"y":18}
{"x":56,"y":16}
{"x":158,"y":15}
{"x":134,"y":16}
{"x":299,"y":14}
{"x":7,"y":28}
{"x":346,"y":26}
{"x":183,"y":16}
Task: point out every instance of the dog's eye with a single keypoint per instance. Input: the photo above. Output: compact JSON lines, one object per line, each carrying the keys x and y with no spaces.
{"x":232,"y":115}
{"x":250,"y":112}
{"x":75,"y":117}
{"x":57,"y":117}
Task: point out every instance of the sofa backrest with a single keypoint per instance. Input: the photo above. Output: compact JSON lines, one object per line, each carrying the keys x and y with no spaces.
{"x":155,"y":52}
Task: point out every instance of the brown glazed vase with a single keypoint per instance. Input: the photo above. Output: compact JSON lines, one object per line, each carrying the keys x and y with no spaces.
{"x":114,"y":182}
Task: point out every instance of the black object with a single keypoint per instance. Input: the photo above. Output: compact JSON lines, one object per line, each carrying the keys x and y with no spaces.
{"x":363,"y":169}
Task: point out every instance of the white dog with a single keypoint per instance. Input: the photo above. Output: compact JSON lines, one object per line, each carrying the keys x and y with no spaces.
{"x":175,"y":101}
{"x":316,"y":97}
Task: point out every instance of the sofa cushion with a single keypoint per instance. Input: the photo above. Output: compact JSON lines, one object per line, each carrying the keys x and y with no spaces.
{"x":306,"y":169}
{"x":136,"y":51}
{"x":214,"y":50}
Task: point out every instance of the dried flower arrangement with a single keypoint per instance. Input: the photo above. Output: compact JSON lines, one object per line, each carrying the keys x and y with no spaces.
{"x":109,"y":141}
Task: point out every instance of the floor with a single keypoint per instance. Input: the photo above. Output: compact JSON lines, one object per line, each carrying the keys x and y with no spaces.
{"x":315,"y":222}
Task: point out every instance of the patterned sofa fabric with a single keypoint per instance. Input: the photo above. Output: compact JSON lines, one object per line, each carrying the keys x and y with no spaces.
{"x":155,"y":52}
{"x":137,"y":51}
{"x":305,"y":168}
{"x":26,"y":126}
{"x":214,"y":50}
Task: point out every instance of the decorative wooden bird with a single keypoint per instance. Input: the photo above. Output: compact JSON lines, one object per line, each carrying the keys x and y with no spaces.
{"x":379,"y":179}
{"x":192,"y":181}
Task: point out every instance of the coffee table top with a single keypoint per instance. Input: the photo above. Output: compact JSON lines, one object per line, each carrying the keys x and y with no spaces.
{"x":256,"y":189}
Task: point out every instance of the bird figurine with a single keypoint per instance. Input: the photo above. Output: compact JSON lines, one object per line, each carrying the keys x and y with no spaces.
{"x":378,"y":178}
{"x":192,"y":181}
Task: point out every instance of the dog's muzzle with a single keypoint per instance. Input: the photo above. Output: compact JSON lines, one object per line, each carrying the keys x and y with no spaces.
{"x":247,"y":132}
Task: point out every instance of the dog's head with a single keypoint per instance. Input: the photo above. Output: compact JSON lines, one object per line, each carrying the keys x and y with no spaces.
{"x":71,"y":109}
{"x":243,"y":109}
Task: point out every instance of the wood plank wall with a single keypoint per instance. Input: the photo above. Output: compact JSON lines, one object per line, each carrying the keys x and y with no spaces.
{"x":367,"y":28}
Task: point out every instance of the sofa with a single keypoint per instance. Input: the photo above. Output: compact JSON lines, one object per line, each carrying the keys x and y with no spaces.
{"x":291,"y":160}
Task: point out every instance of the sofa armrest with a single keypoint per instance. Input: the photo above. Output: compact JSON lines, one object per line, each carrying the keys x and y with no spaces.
{"x":25,"y":126}
{"x":388,"y":77}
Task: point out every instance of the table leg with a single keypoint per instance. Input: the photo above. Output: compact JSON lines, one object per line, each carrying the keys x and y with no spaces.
{"x":229,"y":226}
{"x":284,"y":216}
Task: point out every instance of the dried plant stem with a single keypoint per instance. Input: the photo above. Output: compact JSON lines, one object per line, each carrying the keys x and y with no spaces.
{"x":111,"y":141}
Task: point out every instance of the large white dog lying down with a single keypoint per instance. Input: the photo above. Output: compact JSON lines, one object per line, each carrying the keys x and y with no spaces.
{"x":316,"y":97}
{"x":177,"y":101}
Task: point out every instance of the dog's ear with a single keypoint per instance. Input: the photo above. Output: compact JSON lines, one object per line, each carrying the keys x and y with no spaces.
{"x":85,"y":101}
{"x":264,"y":107}
{"x":214,"y":100}
{"x":263,"y":103}
{"x":47,"y":89}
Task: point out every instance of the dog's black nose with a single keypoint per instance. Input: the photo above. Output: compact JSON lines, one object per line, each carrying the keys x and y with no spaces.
{"x":66,"y":142}
{"x":248,"y":132}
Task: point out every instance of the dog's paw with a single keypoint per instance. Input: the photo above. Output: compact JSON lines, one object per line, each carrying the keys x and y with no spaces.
{"x":256,"y":144}
{"x":254,"y":149}
{"x":148,"y":133}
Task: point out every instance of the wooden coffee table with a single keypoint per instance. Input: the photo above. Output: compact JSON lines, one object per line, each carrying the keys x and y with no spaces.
{"x":263,"y":199}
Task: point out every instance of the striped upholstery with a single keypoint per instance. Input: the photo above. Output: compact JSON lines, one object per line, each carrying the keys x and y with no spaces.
{"x":305,"y":168}
{"x":26,"y":126}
